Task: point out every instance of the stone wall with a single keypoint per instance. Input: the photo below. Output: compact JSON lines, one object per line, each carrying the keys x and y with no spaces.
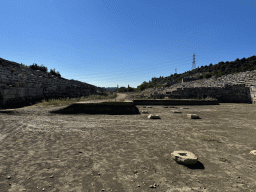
{"x":188,"y":79}
{"x":240,"y":87}
{"x":20,"y":85}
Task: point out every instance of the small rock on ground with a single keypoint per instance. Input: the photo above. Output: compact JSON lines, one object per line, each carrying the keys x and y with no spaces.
{"x":193,"y":116}
{"x":151,"y":116}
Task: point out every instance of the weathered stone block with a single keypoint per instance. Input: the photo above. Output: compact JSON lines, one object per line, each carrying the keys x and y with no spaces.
{"x":184,"y":157}
{"x":151,"y":116}
{"x":193,"y":116}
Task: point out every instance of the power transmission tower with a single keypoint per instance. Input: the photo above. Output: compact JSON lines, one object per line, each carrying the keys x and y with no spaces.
{"x":176,"y":70}
{"x":194,"y":61}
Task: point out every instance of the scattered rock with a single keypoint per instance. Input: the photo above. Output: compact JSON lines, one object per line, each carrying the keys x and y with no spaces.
{"x":176,"y":112}
{"x":151,"y":116}
{"x":153,"y":186}
{"x":149,"y":107}
{"x":185,"y":108}
{"x":184,"y":157}
{"x":253,"y":152}
{"x":144,"y":112}
{"x":165,"y":107}
{"x":193,"y":116}
{"x":9,"y":177}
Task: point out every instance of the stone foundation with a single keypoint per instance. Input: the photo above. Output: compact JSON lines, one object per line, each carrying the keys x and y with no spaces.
{"x":232,"y":88}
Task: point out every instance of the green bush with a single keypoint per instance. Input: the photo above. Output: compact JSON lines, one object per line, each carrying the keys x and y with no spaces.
{"x":53,"y":72}
{"x":207,"y":75}
{"x":36,"y":67}
{"x":122,"y":89}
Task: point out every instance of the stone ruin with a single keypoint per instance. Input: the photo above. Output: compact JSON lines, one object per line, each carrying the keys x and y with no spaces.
{"x":232,"y":88}
{"x":21,"y":85}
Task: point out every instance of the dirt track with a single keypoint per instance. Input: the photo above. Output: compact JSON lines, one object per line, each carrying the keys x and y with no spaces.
{"x":129,"y":152}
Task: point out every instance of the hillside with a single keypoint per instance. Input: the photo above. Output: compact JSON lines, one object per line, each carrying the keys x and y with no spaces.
{"x":204,"y":72}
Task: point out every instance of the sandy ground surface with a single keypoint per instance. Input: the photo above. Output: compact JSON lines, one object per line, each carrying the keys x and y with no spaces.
{"x":124,"y":97}
{"x":45,"y":152}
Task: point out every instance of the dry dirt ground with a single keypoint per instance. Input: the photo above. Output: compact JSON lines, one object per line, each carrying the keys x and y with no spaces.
{"x":40,"y":151}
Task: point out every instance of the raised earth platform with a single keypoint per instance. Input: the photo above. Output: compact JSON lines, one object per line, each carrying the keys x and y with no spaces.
{"x":112,"y":108}
{"x":125,"y":108}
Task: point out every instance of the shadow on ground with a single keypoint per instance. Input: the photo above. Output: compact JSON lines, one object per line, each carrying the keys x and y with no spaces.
{"x":198,"y":165}
{"x":110,"y":108}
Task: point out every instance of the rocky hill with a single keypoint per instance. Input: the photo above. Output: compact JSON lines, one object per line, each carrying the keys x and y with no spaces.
{"x":20,"y":85}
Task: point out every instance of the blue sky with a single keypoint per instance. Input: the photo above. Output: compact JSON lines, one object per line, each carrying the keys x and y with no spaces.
{"x":110,"y":42}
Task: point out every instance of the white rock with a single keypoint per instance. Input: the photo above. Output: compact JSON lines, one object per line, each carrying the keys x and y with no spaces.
{"x":253,"y":152}
{"x":193,"y":116}
{"x":144,"y":112}
{"x":151,"y":116}
{"x":184,"y":157}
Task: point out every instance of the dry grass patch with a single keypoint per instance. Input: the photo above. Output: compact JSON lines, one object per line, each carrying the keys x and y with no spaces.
{"x":68,"y":101}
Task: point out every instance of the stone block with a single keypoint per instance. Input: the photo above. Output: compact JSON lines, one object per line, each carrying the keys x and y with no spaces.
{"x":144,"y":112}
{"x":193,"y":116}
{"x":184,"y":157}
{"x":253,"y":152}
{"x":21,"y":92}
{"x":151,"y":116}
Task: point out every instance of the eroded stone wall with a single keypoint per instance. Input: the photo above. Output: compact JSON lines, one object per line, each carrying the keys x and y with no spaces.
{"x":20,"y":85}
{"x":240,"y":87}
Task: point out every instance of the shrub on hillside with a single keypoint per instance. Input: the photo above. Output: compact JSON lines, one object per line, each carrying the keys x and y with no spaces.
{"x":53,"y":72}
{"x":122,"y":89}
{"x":36,"y":67}
{"x":130,"y":89}
{"x":207,"y":75}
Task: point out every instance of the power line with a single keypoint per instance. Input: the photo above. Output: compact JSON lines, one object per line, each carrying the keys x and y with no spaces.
{"x":142,"y":67}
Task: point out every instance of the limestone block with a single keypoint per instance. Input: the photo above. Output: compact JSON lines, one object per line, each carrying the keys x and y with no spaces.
{"x":9,"y":96}
{"x":21,"y":92}
{"x":151,"y":116}
{"x":11,"y":91}
{"x":253,"y":152}
{"x":184,"y":157}
{"x":3,"y":86}
{"x":193,"y":116}
{"x":30,"y":85}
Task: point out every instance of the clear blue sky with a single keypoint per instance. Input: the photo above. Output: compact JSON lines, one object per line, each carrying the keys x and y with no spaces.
{"x":110,"y":42}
